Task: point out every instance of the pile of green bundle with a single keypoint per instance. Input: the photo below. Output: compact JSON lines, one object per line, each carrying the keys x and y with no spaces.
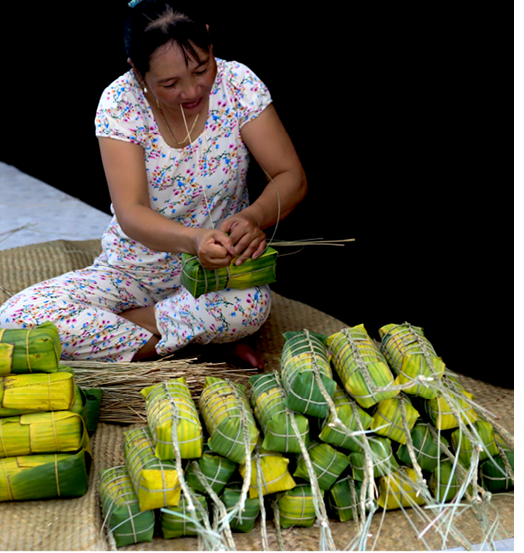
{"x":346,"y":427}
{"x":44,"y":440}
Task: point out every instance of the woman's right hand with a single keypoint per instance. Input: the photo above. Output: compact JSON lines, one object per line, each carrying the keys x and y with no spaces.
{"x":213,"y":248}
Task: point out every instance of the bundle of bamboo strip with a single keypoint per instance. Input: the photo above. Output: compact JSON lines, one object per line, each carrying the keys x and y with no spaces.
{"x":44,"y":443}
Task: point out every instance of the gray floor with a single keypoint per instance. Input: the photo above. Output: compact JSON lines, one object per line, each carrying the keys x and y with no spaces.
{"x":32,"y":211}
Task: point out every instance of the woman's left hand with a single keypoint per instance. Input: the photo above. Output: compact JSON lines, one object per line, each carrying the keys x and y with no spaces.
{"x":249,"y":241}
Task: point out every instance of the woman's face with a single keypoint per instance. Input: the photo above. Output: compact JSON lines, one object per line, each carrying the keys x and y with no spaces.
{"x":176,"y":83}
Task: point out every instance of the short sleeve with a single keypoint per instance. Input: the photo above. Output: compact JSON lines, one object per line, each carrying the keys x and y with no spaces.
{"x":119,"y":114}
{"x":251,"y":95}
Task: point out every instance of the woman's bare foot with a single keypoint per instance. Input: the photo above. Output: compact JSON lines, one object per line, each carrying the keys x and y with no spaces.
{"x":246,"y":353}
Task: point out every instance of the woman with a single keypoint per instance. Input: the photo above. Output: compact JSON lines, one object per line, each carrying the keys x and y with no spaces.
{"x":175,"y":135}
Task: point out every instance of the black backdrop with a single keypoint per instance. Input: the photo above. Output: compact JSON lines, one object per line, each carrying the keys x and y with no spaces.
{"x":391,"y":111}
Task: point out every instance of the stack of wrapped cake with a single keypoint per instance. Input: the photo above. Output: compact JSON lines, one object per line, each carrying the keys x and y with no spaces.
{"x":345,"y":427}
{"x":44,"y":440}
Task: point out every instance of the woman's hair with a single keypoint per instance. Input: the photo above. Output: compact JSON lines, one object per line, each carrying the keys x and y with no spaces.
{"x":155,"y":23}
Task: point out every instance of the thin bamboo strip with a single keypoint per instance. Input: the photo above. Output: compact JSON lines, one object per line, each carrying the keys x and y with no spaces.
{"x":121,"y":383}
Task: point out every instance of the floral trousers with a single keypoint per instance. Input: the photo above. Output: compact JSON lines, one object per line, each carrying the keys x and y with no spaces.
{"x":85,"y":307}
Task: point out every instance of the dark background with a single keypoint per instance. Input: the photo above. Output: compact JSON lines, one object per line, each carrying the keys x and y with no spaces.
{"x":395,"y":112}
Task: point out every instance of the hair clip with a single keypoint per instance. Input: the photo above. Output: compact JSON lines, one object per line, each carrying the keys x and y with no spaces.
{"x":134,"y":3}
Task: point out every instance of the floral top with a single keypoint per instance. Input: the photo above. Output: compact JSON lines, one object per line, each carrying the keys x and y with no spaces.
{"x":199,"y":185}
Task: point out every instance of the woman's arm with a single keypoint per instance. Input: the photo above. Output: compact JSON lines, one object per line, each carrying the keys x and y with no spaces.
{"x":271,"y":146}
{"x":127,"y":180}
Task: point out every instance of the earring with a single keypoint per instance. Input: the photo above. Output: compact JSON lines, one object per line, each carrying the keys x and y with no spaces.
{"x":145,"y":90}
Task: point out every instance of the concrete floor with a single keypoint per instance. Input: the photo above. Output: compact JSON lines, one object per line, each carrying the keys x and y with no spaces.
{"x":32,"y":211}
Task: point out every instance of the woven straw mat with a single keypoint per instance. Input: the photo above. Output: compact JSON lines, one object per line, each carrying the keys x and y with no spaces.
{"x":76,"y":524}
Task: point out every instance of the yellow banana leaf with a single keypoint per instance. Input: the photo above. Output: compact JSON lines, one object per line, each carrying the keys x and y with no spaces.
{"x":360,"y":366}
{"x":156,"y":482}
{"x":387,"y":418}
{"x":225,"y":409}
{"x":399,"y":489}
{"x":27,"y":393}
{"x":274,"y":472}
{"x":36,"y":433}
{"x":410,"y":354}
{"x":161,"y":400}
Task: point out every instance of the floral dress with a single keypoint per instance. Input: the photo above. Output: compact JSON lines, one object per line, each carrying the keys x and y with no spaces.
{"x":197,"y":186}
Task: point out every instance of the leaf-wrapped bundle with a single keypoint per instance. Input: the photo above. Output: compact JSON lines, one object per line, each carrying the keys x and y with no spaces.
{"x":360,"y":366}
{"x":443,"y":482}
{"x":43,"y":476}
{"x":216,"y":469}
{"x":328,"y":464}
{"x":383,"y":461}
{"x":225,"y":409}
{"x":348,"y":412}
{"x":304,"y":358}
{"x":296,"y":507}
{"x":253,"y":272}
{"x":387,"y":418}
{"x":37,"y":433}
{"x":441,"y":413}
{"x":29,"y":393}
{"x":177,"y":521}
{"x":230,"y":497}
{"x":427,"y":450}
{"x":464,"y":448}
{"x":268,"y":401}
{"x":28,"y":350}
{"x":274,"y":472}
{"x":411,"y":354}
{"x":121,"y":510}
{"x":341,"y":500}
{"x":161,"y":401}
{"x":399,"y":489}
{"x":156,"y":482}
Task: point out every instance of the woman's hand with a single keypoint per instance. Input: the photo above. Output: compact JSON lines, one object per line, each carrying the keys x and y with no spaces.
{"x":213,"y":248}
{"x":247,"y":239}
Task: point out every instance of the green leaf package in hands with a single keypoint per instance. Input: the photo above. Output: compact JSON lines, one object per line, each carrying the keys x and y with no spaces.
{"x":44,"y":476}
{"x":360,"y":365}
{"x":328,"y":464}
{"x":304,"y":360}
{"x":349,"y":412}
{"x":268,"y":401}
{"x":425,"y":447}
{"x":163,"y":402}
{"x":29,"y":393}
{"x":226,"y":412}
{"x":28,"y":350}
{"x":253,"y":272}
{"x":156,"y":482}
{"x":410,"y":354}
{"x":121,"y":511}
{"x":177,"y":521}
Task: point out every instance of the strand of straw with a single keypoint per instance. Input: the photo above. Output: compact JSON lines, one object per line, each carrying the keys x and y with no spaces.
{"x":276,"y":519}
{"x":263,"y":529}
{"x":219,"y":506}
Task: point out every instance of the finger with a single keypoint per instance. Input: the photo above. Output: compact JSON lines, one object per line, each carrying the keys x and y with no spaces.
{"x":249,"y":252}
{"x":224,"y":241}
